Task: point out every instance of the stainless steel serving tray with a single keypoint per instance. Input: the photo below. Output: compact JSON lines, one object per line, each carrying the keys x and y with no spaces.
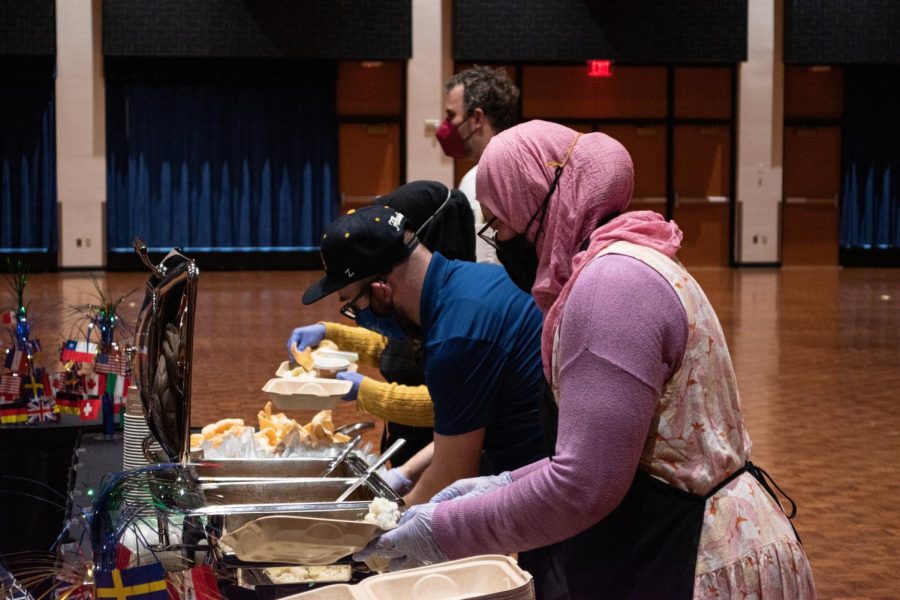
{"x":228,"y":469}
{"x":231,"y":492}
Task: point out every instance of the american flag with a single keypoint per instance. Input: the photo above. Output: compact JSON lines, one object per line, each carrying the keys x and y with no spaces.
{"x":78,"y":351}
{"x":42,"y":410}
{"x":9,"y":387}
{"x":111,"y":363}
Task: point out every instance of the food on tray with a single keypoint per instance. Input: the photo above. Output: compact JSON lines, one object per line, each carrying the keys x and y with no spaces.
{"x":302,"y":358}
{"x":308,"y":574}
{"x":274,"y":429}
{"x":383,"y":513}
{"x":215,"y":433}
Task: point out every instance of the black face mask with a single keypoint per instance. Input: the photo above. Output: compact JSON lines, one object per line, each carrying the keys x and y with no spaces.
{"x":519,"y":256}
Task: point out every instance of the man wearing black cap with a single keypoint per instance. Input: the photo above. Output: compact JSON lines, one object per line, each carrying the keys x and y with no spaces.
{"x":480,"y":339}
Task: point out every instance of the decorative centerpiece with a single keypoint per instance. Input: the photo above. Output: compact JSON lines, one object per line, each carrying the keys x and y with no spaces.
{"x":25,"y":395}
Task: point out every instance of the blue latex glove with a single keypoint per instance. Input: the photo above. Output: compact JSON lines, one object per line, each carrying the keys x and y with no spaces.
{"x":473,"y":486}
{"x":309,"y":335}
{"x":411,"y":544}
{"x":397,"y":481}
{"x":356,"y":378}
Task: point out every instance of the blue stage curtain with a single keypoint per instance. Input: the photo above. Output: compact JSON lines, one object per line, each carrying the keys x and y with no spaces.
{"x":870,"y":207}
{"x":27,"y":165}
{"x":223,"y":161}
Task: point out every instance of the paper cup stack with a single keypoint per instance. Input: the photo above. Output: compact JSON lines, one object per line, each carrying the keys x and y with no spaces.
{"x":135,"y":431}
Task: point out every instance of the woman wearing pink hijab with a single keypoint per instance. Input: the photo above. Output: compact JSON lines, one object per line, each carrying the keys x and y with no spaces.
{"x":649,"y":492}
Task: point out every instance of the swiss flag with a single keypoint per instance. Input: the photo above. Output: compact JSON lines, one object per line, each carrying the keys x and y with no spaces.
{"x":90,"y":410}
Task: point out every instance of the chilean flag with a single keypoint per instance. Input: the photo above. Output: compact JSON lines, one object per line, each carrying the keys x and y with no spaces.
{"x":78,"y":351}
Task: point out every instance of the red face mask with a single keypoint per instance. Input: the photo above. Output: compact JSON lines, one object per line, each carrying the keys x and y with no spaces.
{"x":450,"y":140}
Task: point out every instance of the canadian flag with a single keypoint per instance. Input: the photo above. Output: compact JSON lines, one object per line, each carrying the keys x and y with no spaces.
{"x":92,"y":384}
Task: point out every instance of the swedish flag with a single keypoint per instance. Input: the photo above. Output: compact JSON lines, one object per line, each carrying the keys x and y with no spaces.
{"x":138,"y":583}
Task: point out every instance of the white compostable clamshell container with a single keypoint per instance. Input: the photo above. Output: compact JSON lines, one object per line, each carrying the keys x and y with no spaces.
{"x":489,"y":576}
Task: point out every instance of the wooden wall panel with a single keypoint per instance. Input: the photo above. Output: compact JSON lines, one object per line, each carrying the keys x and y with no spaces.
{"x":811,"y":92}
{"x":376,"y":89}
{"x":702,"y":161}
{"x":705,"y":228}
{"x":810,"y":233}
{"x":703,"y":93}
{"x":567,"y":91}
{"x":812,"y":162}
{"x":647,"y":146}
{"x":369,"y":161}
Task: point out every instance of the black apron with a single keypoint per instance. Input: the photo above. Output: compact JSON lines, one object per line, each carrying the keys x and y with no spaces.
{"x":644,"y":549}
{"x":401,"y":363}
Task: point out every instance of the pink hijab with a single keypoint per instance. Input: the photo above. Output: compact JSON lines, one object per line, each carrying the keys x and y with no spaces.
{"x":514,"y":175}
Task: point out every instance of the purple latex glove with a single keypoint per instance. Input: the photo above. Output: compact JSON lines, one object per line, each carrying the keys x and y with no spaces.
{"x":473,"y":486}
{"x":309,"y":335}
{"x":356,"y":378}
{"x":411,"y":544}
{"x":397,"y":481}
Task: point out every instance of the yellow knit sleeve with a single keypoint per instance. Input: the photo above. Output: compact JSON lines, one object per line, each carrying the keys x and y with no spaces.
{"x":367,"y":344}
{"x":403,"y":404}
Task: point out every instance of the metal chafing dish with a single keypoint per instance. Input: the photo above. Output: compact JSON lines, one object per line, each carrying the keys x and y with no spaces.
{"x":227,"y":493}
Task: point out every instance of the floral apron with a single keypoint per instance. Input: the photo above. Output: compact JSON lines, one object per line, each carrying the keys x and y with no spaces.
{"x":699,"y":520}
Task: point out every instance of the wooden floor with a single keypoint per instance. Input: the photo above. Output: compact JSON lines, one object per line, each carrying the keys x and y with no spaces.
{"x":817,"y":354}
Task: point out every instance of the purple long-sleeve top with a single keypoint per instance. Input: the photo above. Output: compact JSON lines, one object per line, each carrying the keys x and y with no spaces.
{"x":622,"y":336}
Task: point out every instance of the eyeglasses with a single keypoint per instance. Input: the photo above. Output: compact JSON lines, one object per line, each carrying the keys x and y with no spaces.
{"x":351,"y":310}
{"x":489,"y":238}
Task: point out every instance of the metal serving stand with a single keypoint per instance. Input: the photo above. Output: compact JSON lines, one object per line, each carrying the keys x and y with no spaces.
{"x":223,"y":494}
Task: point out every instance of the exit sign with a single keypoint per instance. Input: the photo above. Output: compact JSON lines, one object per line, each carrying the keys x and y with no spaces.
{"x":599,"y":68}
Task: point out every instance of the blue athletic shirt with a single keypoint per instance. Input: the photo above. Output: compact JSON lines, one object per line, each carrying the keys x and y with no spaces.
{"x":482,"y":355}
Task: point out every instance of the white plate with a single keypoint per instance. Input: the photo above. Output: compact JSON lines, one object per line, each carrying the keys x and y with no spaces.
{"x":310,"y":394}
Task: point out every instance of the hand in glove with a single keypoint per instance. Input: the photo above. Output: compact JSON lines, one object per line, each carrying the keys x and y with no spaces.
{"x":410,"y":545}
{"x":473,"y":486}
{"x":310,"y":335}
{"x":397,"y":481}
{"x":356,"y":378}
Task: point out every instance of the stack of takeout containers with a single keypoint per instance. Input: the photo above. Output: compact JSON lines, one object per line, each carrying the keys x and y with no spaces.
{"x":491,"y":576}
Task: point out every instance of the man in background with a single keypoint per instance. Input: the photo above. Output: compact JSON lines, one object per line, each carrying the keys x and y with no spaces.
{"x":480,"y":102}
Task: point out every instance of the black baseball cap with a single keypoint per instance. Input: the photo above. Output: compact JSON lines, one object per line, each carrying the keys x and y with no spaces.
{"x":360,"y":244}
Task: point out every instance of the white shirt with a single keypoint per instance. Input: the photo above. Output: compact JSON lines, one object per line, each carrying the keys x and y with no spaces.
{"x":484,"y":252}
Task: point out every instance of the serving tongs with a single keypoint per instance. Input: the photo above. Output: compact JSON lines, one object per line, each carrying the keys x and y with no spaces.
{"x":342,"y":456}
{"x":375,"y":466}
